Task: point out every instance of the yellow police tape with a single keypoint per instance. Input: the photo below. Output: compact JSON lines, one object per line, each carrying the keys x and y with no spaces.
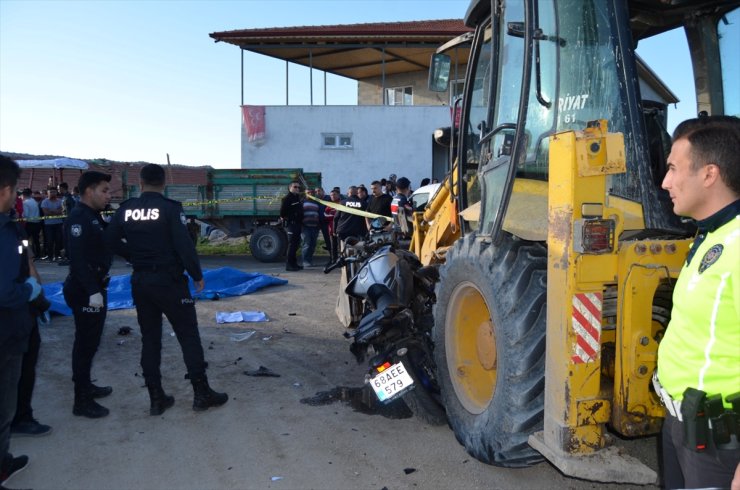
{"x":213,"y":202}
{"x":348,"y":210}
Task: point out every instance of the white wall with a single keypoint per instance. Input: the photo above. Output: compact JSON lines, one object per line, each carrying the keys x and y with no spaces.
{"x":386,"y":139}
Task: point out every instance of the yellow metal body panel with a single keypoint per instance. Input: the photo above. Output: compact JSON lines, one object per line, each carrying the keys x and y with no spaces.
{"x":643,"y":266}
{"x":437,"y":227}
{"x":631,"y":212}
{"x":526,"y":216}
{"x":568,"y":382}
{"x":601,"y":156}
{"x":582,"y":396}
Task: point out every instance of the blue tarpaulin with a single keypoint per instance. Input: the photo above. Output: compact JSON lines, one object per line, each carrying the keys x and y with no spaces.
{"x":222,"y":282}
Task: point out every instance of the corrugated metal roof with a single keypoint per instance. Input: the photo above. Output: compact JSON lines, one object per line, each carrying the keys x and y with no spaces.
{"x":356,"y":51}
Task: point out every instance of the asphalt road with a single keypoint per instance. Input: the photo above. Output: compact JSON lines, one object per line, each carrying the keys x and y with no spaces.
{"x":264,"y":437}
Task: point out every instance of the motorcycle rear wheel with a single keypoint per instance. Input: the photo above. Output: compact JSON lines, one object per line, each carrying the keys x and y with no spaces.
{"x":421,"y":401}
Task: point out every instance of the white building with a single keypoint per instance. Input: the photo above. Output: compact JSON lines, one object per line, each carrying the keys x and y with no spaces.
{"x":390,"y":130}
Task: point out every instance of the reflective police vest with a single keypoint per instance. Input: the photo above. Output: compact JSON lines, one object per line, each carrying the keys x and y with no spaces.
{"x":701,"y":347}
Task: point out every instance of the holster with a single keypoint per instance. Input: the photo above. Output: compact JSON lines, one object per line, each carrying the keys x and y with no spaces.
{"x":695,"y":424}
{"x":707,"y":421}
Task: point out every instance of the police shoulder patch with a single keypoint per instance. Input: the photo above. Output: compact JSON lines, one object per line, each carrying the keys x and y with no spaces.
{"x":183,"y":220}
{"x":76,"y":230}
{"x":712,"y":256}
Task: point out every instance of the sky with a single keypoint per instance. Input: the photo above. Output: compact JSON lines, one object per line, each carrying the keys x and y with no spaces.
{"x":136,"y":80}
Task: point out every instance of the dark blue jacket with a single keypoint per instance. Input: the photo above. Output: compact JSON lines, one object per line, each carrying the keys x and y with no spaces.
{"x":88,"y":254}
{"x":15,"y":317}
{"x":156,"y":236}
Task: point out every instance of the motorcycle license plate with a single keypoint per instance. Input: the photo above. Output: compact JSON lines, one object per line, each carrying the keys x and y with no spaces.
{"x":391,"y":382}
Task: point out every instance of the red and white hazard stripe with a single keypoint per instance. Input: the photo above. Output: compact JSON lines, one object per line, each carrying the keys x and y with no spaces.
{"x":587,"y":327}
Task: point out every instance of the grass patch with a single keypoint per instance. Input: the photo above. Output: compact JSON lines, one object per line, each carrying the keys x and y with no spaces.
{"x":239,"y":246}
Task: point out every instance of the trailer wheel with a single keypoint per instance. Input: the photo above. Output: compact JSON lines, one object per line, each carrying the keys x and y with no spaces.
{"x":489,"y":338}
{"x":267,"y":244}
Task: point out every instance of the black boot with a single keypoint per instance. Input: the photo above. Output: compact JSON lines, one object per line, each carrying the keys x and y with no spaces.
{"x":86,"y":406}
{"x":160,"y":401}
{"x":205,"y":397}
{"x":100,"y":391}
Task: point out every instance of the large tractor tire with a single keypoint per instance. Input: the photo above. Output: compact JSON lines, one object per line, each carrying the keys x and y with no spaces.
{"x":268,"y":244}
{"x":489,"y":338}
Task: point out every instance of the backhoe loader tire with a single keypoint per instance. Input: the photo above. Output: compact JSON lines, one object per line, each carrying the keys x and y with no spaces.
{"x":268,"y":244}
{"x":491,"y":366}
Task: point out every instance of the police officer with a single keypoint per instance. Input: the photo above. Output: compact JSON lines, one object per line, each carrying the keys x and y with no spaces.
{"x":85,"y":288}
{"x":348,"y":225}
{"x":17,"y":289}
{"x":158,"y":246}
{"x":291,"y":214}
{"x":700,"y":353}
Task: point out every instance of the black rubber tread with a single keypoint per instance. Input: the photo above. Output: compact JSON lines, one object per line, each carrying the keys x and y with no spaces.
{"x":423,"y":405}
{"x":424,"y":401}
{"x":512,"y":276}
{"x":279,"y":241}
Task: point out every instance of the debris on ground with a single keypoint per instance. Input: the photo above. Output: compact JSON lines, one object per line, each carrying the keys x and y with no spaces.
{"x":241,"y":316}
{"x":124,"y":330}
{"x":241,"y":337}
{"x":262,"y":372}
{"x":361,"y":400}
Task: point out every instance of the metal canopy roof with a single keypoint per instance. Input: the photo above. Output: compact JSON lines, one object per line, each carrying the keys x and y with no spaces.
{"x":356,"y":51}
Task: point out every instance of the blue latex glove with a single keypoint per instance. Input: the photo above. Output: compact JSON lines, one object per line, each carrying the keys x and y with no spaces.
{"x":35,"y":288}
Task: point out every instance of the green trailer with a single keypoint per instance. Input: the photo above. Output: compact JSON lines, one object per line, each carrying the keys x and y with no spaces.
{"x":247,"y":202}
{"x":242,"y":202}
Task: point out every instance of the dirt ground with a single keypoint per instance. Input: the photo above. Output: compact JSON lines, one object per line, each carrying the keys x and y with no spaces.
{"x":264,"y":437}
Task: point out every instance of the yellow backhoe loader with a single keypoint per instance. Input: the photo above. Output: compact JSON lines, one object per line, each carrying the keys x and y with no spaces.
{"x":558,"y":250}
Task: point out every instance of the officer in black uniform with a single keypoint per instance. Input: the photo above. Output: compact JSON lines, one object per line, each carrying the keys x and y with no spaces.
{"x":17,"y":289}
{"x":349,"y":225}
{"x":158,"y":246}
{"x":85,"y":289}
{"x":291,"y":214}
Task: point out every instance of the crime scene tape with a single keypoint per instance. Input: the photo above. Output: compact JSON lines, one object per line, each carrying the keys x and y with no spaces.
{"x":212,"y":202}
{"x":348,"y":210}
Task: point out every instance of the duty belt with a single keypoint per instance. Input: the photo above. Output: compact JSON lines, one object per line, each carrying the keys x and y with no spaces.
{"x":157,"y":268}
{"x":673,"y":406}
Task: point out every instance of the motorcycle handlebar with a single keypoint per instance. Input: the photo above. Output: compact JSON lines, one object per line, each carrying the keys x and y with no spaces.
{"x":338,"y":263}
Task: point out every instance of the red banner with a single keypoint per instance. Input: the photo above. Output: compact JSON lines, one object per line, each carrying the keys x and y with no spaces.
{"x":254,"y":122}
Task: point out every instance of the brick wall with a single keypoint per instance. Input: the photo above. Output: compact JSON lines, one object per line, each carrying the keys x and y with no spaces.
{"x":370,"y":92}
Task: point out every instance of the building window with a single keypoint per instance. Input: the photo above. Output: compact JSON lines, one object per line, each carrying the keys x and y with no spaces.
{"x":399,"y":96}
{"x":336,"y":141}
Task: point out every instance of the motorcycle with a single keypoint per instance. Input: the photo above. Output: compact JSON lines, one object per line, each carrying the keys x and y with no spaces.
{"x":395,"y":295}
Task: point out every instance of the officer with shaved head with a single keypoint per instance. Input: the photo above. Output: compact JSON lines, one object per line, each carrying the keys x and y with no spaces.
{"x":150,"y":231}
